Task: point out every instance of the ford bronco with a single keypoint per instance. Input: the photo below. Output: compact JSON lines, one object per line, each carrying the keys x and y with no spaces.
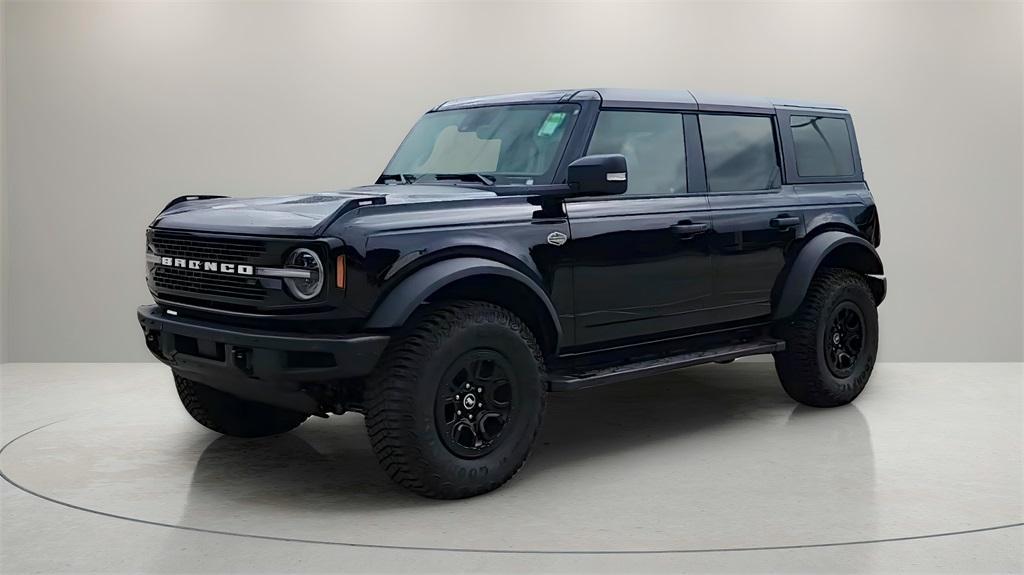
{"x":519,"y":245}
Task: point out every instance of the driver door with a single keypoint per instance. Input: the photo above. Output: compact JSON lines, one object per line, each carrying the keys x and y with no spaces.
{"x":641,"y":261}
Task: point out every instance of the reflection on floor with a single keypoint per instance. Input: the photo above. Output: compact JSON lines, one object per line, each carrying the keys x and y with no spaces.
{"x":679,"y":470}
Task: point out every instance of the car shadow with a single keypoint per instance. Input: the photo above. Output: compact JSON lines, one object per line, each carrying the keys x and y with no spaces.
{"x":327,"y":466}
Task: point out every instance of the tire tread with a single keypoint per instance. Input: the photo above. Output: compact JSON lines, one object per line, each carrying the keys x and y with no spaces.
{"x":797,"y":366}
{"x":390,"y":399}
{"x":229,"y":415}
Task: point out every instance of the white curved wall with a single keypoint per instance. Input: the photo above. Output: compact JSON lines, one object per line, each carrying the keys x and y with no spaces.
{"x":112,"y":109}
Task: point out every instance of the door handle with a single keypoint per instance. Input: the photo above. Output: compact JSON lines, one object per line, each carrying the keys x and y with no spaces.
{"x":784,"y":222}
{"x":688,"y":228}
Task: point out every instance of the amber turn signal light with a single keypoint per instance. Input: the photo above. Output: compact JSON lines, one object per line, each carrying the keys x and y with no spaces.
{"x":340,"y":272}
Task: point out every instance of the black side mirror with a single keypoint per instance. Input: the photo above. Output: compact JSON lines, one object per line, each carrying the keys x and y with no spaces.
{"x":598,"y":175}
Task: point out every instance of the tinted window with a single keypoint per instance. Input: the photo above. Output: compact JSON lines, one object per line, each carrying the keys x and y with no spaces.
{"x":822,"y":146}
{"x":512,"y":144}
{"x":653,"y":146}
{"x":739,"y":153}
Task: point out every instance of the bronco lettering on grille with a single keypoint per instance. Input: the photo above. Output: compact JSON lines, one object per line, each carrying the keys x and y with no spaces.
{"x":224,"y":268}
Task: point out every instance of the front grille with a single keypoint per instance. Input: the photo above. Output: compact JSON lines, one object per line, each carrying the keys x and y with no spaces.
{"x":208,"y":283}
{"x":209,"y":288}
{"x":204,"y":285}
{"x":232,"y":250}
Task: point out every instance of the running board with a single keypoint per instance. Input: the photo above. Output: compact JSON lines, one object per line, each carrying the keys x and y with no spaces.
{"x":580,"y":380}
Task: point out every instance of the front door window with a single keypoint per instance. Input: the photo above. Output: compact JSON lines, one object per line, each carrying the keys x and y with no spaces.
{"x":652,"y":143}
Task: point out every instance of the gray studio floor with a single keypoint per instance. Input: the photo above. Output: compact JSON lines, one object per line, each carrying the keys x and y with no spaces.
{"x":709,"y":469}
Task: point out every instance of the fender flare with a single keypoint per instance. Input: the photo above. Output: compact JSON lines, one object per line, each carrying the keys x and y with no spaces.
{"x":810,"y":258}
{"x":412,"y":291}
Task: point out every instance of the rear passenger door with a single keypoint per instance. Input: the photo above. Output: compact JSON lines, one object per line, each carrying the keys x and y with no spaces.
{"x":641,"y":262}
{"x":754,"y":216}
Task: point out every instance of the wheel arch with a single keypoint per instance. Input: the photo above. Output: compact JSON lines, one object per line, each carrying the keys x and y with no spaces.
{"x":831,"y":248}
{"x":477,"y":279}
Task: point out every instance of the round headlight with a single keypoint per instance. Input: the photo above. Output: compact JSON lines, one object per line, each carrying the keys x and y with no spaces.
{"x":309,"y":287}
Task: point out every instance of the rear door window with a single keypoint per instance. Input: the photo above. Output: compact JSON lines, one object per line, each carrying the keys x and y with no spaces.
{"x":822,"y":146}
{"x":739,"y":153}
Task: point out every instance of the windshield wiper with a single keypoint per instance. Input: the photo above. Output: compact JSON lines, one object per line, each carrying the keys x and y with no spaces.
{"x":402,"y":178}
{"x":467,"y":177}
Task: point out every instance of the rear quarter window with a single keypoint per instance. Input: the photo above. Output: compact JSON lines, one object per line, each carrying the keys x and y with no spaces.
{"x":822,"y":146}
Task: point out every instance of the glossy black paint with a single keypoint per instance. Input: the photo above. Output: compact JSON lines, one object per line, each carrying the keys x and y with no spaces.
{"x":597,"y":175}
{"x":402,"y":302}
{"x":636,"y":270}
{"x":749,"y":250}
{"x":633,"y":269}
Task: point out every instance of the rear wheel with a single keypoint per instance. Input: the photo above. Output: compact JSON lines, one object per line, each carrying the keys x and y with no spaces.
{"x":230,"y":415}
{"x":454,"y":407}
{"x":831,"y":341}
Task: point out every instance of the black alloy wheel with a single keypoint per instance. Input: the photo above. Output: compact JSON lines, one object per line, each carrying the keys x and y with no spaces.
{"x":475,"y":403}
{"x":844,"y":338}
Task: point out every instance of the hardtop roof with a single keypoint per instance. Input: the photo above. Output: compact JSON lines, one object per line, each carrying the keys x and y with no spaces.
{"x":647,"y":99}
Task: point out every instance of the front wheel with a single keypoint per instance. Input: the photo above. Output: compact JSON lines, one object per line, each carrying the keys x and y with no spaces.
{"x":230,"y":415}
{"x":831,"y":341}
{"x":457,"y":401}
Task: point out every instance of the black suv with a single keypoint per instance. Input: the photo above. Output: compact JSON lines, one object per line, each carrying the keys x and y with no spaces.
{"x":518,"y":245}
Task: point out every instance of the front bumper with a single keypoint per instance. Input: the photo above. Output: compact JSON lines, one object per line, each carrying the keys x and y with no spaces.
{"x":261,"y":366}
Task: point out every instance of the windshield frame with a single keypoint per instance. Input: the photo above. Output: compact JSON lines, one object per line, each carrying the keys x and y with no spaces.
{"x":554,"y":169}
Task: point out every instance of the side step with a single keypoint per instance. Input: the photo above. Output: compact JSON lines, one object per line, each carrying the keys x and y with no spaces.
{"x":580,"y":380}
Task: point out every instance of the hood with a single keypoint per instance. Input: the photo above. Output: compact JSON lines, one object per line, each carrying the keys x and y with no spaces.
{"x":306,"y":215}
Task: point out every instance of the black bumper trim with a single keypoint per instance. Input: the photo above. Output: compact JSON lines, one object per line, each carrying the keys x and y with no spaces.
{"x":256,"y":355}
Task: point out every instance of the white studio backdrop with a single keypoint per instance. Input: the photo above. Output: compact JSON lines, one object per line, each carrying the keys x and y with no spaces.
{"x":112,"y":109}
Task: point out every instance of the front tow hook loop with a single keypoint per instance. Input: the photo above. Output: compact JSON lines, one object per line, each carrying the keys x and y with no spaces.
{"x":242,"y":358}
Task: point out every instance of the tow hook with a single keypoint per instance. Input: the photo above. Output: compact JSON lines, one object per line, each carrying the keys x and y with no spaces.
{"x":242,"y":358}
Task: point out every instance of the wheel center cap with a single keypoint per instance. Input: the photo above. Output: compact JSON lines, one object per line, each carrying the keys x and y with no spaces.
{"x":469,"y":402}
{"x":835,"y":338}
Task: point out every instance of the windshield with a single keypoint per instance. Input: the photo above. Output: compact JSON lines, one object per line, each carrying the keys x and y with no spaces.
{"x":515,"y":144}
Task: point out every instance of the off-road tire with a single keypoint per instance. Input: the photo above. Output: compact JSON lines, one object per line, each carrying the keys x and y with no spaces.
{"x":229,"y":415}
{"x":401,"y":396}
{"x":803,"y":368}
